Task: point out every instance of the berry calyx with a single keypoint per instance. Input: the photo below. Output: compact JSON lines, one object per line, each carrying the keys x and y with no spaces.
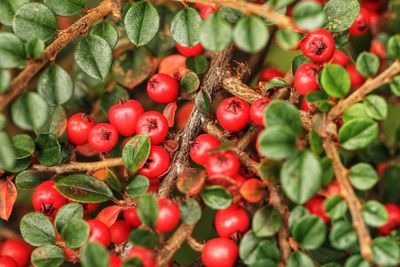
{"x":232,"y":220}
{"x":103,"y":137}
{"x":199,"y":152}
{"x":168,"y":215}
{"x":78,"y":127}
{"x":318,"y":45}
{"x":46,"y":199}
{"x":219,"y":252}
{"x":190,"y":51}
{"x":124,"y":116}
{"x":99,"y":232}
{"x":155,"y":125}
{"x":257,"y":110}
{"x":224,"y":163}
{"x":162,"y":88}
{"x":233,"y":114}
{"x":157,"y":163}
{"x":305,"y":78}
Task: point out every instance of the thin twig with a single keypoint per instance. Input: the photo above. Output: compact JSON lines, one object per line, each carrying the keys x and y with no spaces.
{"x":79,"y":166}
{"x":194,"y":244}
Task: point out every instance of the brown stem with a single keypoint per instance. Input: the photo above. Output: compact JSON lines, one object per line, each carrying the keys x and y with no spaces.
{"x":116,"y":9}
{"x":79,"y":166}
{"x":194,"y":244}
{"x":7,"y":233}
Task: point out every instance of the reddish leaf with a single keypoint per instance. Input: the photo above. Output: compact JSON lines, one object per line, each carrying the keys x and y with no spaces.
{"x":228,"y":183}
{"x":109,"y":215}
{"x":191,"y":181}
{"x":8,"y":195}
{"x":169,"y":113}
{"x":174,"y":65}
{"x":171,"y":146}
{"x":253,"y":190}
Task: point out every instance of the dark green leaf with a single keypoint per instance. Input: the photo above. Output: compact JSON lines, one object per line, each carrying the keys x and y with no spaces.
{"x":108,"y":99}
{"x":250,"y":34}
{"x":8,"y":8}
{"x":12,"y":51}
{"x":269,"y":170}
{"x":216,"y":33}
{"x":367,"y":64}
{"x":335,"y":207}
{"x":309,"y":232}
{"x":393,"y":46}
{"x":148,"y":210}
{"x":190,"y":82}
{"x":190,"y":211}
{"x":287,"y":39}
{"x":106,"y":31}
{"x":308,"y":15}
{"x":335,"y":80}
{"x":136,"y":152}
{"x":185,"y":27}
{"x":138,"y":186}
{"x":299,"y":259}
{"x":340,"y":14}
{"x":298,"y":61}
{"x":356,"y":261}
{"x":374,"y":214}
{"x":7,"y":151}
{"x":276,"y":82}
{"x":296,"y":214}
{"x":49,"y":149}
{"x":282,"y":113}
{"x":363,"y":176}
{"x":203,"y":102}
{"x":343,"y":236}
{"x":355,"y":111}
{"x":34,"y":48}
{"x":327,"y":171}
{"x":95,"y":255}
{"x":394,"y":85}
{"x":134,"y":262}
{"x":143,"y":238}
{"x":65,"y":7}
{"x":75,"y":233}
{"x":20,"y":165}
{"x":5,"y":80}
{"x":266,"y":222}
{"x":197,"y":64}
{"x":216,"y":197}
{"x":358,"y":133}
{"x":278,"y":4}
{"x":376,"y":107}
{"x":67,"y":213}
{"x":24,"y":146}
{"x":37,"y":230}
{"x":28,"y":180}
{"x":385,"y":251}
{"x":254,"y":250}
{"x":48,"y":256}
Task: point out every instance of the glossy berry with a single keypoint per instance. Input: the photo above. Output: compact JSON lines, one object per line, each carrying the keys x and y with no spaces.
{"x":305,"y":78}
{"x":199,"y":152}
{"x":318,"y":46}
{"x":339,"y":57}
{"x":205,"y":10}
{"x":316,"y":206}
{"x":78,"y":127}
{"x":257,"y":110}
{"x":115,"y":261}
{"x":99,"y":232}
{"x":90,"y":207}
{"x":18,"y":250}
{"x":168,"y":215}
{"x":155,"y":125}
{"x":219,"y":252}
{"x":361,"y":24}
{"x":190,"y":51}
{"x":162,"y":88}
{"x":223,"y":163}
{"x":147,"y":256}
{"x":233,"y":114}
{"x":157,"y":163}
{"x":231,"y":220}
{"x":270,"y":73}
{"x":124,"y":116}
{"x":103,"y":137}
{"x":305,"y":105}
{"x":131,"y":216}
{"x":120,"y":232}
{"x":6,"y":261}
{"x":46,"y":199}
{"x":393,"y":212}
{"x":355,"y":77}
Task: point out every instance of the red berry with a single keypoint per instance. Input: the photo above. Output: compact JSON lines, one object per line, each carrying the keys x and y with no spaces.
{"x":190,"y":51}
{"x":205,"y":10}
{"x":115,"y":261}
{"x":231,"y":220}
{"x":124,"y":116}
{"x":131,"y":216}
{"x":90,"y":207}
{"x":168,"y":215}
{"x":162,"y":88}
{"x":157,"y":163}
{"x":305,"y":78}
{"x":233,"y":114}
{"x":6,"y":261}
{"x":219,"y":252}
{"x":356,"y":78}
{"x":224,"y":163}
{"x":393,"y":212}
{"x":316,"y":206}
{"x":361,"y":24}
{"x":18,"y":250}
{"x":240,"y":180}
{"x":339,"y":57}
{"x":147,"y":256}
{"x":305,"y":105}
{"x":99,"y":232}
{"x":318,"y":46}
{"x":257,"y":110}
{"x":46,"y":199}
{"x":103,"y":137}
{"x":120,"y":232}
{"x":78,"y":127}
{"x":202,"y":144}
{"x":155,"y":125}
{"x":270,"y":73}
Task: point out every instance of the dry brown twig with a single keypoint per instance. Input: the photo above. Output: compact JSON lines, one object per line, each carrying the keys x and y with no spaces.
{"x":78,"y":166}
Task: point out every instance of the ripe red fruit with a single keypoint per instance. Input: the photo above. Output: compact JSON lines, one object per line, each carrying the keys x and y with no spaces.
{"x":90,"y":207}
{"x":316,"y":206}
{"x":361,"y":24}
{"x":233,"y":114}
{"x":131,"y":216}
{"x":393,"y":219}
{"x":157,"y":163}
{"x":124,"y":116}
{"x":78,"y":127}
{"x":99,"y":232}
{"x":318,"y":45}
{"x":270,"y":73}
{"x":204,"y":10}
{"x":219,"y":252}
{"x":168,"y":215}
{"x":6,"y":261}
{"x":162,"y":88}
{"x":339,"y":57}
{"x":147,"y":256}
{"x":18,"y":250}
{"x":103,"y":137}
{"x":355,"y":77}
{"x":46,"y":199}
{"x":115,"y":261}
{"x":257,"y":110}
{"x":225,"y":163}
{"x":202,"y":144}
{"x":190,"y":51}
{"x":120,"y":232}
{"x":305,"y":105}
{"x":155,"y":125}
{"x":305,"y":78}
{"x":231,"y":220}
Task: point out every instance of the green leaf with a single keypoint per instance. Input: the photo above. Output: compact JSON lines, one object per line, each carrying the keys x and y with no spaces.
{"x":394,"y":85}
{"x":301,"y":176}
{"x":75,"y":233}
{"x":335,"y":207}
{"x":343,"y":236}
{"x":5,"y":80}
{"x":374,"y":214}
{"x":355,"y":111}
{"x":138,"y":186}
{"x":385,"y":251}
{"x":190,"y":211}
{"x":266,"y":222}
{"x":340,"y":14}
{"x":278,"y":4}
{"x":216,"y":197}
{"x":58,"y":122}
{"x":34,"y":48}
{"x":24,"y":146}
{"x":141,"y":22}
{"x":254,"y":250}
{"x":95,"y":255}
{"x":308,"y":15}
{"x":335,"y":80}
{"x":148,"y":210}
{"x":276,"y":82}
{"x":28,"y":180}
{"x":34,"y":20}
{"x":108,"y":99}
{"x":327,"y":171}
{"x":67,"y":213}
{"x":298,"y":61}
{"x":55,"y":85}
{"x":190,"y":82}
{"x":106,"y":31}
{"x":136,"y":152}
{"x":282,"y":113}
{"x":185,"y":27}
{"x":250,"y":34}
{"x":215,"y":33}
{"x":356,"y":261}
{"x":12,"y":51}
{"x":197,"y":64}
{"x":7,"y":10}
{"x":203,"y":102}
{"x":48,"y":256}
{"x":287,"y":39}
{"x":309,"y":232}
{"x":367,"y":64}
{"x":296,"y":214}
{"x":143,"y":238}
{"x":376,"y":107}
{"x":393,"y":46}
{"x":299,"y":259}
{"x":94,"y":56}
{"x":7,"y":152}
{"x":84,"y":188}
{"x":134,"y":262}
{"x":49,"y":149}
{"x":20,"y":165}
{"x":363,"y":176}
{"x":358,"y":133}
{"x":37,"y":230}
{"x":65,"y":7}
